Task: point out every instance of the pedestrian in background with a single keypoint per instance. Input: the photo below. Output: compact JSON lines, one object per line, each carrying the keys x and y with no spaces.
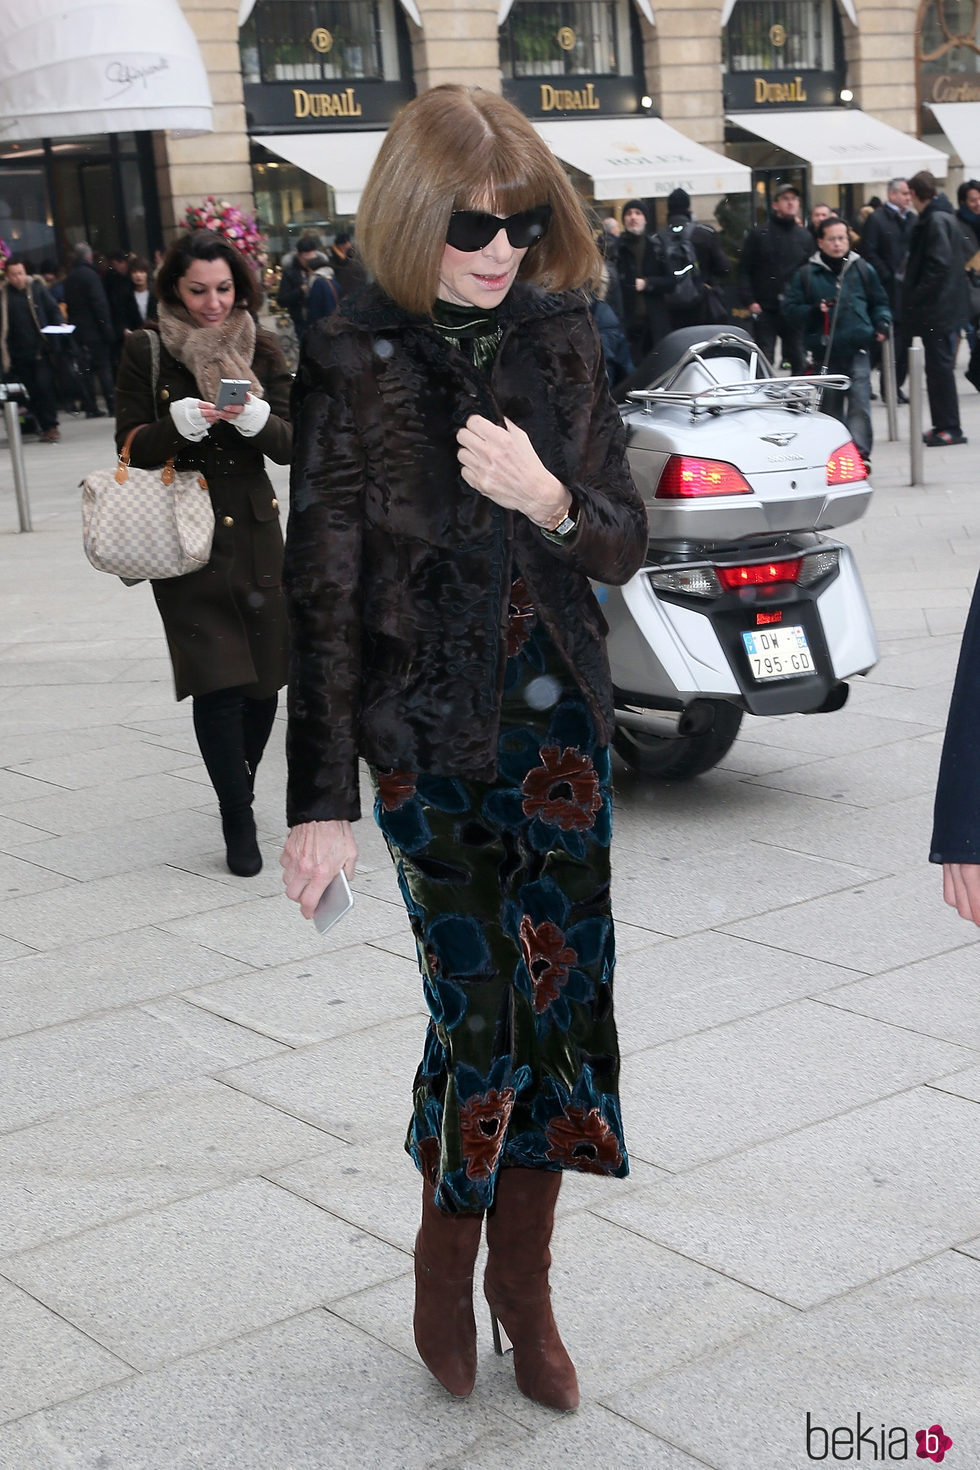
{"x":88,"y":311}
{"x":460,"y":474}
{"x":838,"y":303}
{"x":121,"y":296}
{"x":691,"y":256}
{"x":885,"y":245}
{"x":643,"y":286}
{"x":772,"y":252}
{"x":934,"y":304}
{"x":226,"y":624}
{"x":26,"y":308}
{"x":295,"y":282}
{"x":143,"y":293}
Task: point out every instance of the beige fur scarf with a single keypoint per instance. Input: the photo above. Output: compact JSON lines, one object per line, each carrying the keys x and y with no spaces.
{"x":211,"y":353}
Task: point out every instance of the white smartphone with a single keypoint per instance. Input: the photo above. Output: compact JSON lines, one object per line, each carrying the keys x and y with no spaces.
{"x":232,"y":391}
{"x":335,"y":901}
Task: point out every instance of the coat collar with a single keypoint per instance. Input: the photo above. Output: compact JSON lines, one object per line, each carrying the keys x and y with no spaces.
{"x":372,"y":309}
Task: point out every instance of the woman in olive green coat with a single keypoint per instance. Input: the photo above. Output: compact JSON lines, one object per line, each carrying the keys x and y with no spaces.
{"x":225,"y":625}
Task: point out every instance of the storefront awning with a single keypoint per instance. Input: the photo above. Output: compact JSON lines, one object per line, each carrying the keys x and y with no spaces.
{"x":342,"y":160}
{"x":642,"y":156}
{"x":245,"y":8}
{"x":960,"y":121}
{"x":843,"y":145}
{"x":70,"y":67}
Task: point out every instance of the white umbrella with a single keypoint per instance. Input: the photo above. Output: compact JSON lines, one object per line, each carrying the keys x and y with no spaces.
{"x":76,"y":66}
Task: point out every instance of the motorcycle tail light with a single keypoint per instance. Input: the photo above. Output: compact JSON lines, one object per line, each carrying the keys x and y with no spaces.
{"x":816,"y":566}
{"x":686,"y":478}
{"x":690,"y":581}
{"x":762,"y":574}
{"x":845,"y":465}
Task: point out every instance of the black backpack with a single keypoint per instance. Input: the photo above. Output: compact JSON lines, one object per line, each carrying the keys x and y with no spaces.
{"x":676,"y":247}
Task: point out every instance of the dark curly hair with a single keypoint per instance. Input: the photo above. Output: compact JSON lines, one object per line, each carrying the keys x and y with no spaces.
{"x":206,"y":245}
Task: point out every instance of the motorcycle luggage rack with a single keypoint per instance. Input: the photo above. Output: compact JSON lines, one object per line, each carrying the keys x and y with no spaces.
{"x":802,"y":394}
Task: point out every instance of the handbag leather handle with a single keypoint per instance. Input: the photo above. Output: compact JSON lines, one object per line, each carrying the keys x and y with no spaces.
{"x":122,"y":467}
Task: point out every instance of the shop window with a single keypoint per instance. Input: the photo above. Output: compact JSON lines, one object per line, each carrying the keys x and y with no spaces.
{"x":319,"y":40}
{"x":783,"y":35}
{"x":543,"y":38}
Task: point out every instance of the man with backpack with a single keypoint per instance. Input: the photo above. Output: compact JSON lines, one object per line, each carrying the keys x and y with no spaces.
{"x":642,"y":285}
{"x":839,"y":305}
{"x":770,"y":255}
{"x":691,"y":256}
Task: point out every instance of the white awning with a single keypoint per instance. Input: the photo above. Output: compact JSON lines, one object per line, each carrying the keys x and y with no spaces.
{"x":69,"y":67}
{"x":504,"y":9}
{"x":642,"y":156}
{"x":726,"y":11}
{"x":342,"y":160}
{"x":843,"y":145}
{"x":960,"y":121}
{"x":245,"y":8}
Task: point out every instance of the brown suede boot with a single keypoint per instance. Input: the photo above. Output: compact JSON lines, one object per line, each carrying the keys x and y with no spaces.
{"x":516,"y":1285}
{"x":445,"y":1329}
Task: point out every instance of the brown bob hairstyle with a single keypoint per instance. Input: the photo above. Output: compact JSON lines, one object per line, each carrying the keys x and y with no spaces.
{"x":206,"y":245}
{"x":461,"y":148}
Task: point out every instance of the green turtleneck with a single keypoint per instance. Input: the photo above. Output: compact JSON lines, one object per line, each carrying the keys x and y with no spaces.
{"x":470,"y":329}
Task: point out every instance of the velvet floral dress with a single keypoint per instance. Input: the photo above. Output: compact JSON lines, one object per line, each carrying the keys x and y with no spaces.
{"x":507,"y":887}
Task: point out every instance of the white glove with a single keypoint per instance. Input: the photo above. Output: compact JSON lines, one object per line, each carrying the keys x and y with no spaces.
{"x":188,"y":418}
{"x":253,"y":416}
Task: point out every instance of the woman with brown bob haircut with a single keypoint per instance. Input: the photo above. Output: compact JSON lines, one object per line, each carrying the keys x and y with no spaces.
{"x":459,"y":475}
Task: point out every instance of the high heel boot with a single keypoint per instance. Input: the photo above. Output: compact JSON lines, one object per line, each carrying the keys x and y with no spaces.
{"x":516,"y":1285}
{"x":219,"y":727}
{"x":445,"y":1329}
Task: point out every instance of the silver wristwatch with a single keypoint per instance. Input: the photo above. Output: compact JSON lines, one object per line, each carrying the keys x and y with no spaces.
{"x":564,"y":528}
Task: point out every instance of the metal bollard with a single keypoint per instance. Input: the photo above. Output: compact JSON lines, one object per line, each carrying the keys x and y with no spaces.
{"x":916,"y":359}
{"x":11,"y":416}
{"x":888,"y":387}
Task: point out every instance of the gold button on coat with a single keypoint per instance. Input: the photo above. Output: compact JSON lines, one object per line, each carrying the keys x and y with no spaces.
{"x":164,"y":395}
{"x":227,"y":520}
{"x":275,"y":505}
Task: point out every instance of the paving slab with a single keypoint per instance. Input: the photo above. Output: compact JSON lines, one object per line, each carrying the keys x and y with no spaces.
{"x":202,"y":1271}
{"x":934,"y":997}
{"x":44,"y":1359}
{"x":72,"y":1173}
{"x":873,"y":926}
{"x":830,"y":1208}
{"x":87,"y":1062}
{"x":698,"y":1098}
{"x":903,"y":1353}
{"x":91,"y":808}
{"x":868,"y":778}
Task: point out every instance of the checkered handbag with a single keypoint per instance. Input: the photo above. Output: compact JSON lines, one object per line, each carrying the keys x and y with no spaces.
{"x":146,"y":524}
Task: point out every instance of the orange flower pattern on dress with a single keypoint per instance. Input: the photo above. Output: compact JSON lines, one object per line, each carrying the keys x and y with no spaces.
{"x":395,"y":788}
{"x":521,"y":617}
{"x":563,"y":791}
{"x":582,"y":1139}
{"x":548,"y":958}
{"x":483,"y":1126}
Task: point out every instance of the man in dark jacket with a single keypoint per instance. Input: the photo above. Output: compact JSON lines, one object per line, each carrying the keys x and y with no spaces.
{"x":771,"y":253}
{"x":296,"y":280}
{"x":934,"y":303}
{"x":837,"y":301}
{"x":343,"y":259}
{"x":26,"y":308}
{"x":885,"y":245}
{"x":121,"y":296}
{"x":642,"y":285}
{"x":712,"y":264}
{"x":88,"y":311}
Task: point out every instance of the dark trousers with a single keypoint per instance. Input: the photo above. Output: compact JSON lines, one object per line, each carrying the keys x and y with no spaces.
{"x":96,"y":361}
{"x":232,"y":732}
{"x":36,"y":375}
{"x":772,"y":324}
{"x":944,"y":405}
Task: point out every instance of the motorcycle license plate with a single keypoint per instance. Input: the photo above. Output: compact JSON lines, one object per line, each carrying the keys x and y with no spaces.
{"x":778,"y":653}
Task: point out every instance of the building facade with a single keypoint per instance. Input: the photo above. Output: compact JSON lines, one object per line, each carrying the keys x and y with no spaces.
{"x":836,"y":95}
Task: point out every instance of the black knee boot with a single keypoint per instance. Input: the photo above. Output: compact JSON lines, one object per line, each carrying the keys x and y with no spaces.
{"x":259,"y":716}
{"x":219,"y":725}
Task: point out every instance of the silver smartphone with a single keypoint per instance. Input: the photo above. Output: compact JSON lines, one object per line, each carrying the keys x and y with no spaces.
{"x":232,"y":391}
{"x":335,"y":901}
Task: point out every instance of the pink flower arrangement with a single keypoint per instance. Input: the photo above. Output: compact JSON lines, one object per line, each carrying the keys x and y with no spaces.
{"x":4,"y":252}
{"x":240,"y":230}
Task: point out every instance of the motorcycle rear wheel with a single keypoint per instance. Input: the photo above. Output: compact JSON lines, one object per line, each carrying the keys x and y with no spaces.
{"x":679,"y":757}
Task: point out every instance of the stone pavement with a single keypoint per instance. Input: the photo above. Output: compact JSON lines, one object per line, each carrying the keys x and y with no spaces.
{"x":206,"y":1218}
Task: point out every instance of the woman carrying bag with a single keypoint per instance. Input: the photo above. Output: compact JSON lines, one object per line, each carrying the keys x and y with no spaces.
{"x":460,"y":473}
{"x":226,"y":624}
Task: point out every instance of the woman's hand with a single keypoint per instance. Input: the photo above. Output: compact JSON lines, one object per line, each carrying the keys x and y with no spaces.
{"x":215,"y":415}
{"x":503,"y":465}
{"x":961,"y":889}
{"x":313,"y":855}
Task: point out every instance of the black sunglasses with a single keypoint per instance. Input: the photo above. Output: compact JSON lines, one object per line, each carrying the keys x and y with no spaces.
{"x":471,"y":229}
